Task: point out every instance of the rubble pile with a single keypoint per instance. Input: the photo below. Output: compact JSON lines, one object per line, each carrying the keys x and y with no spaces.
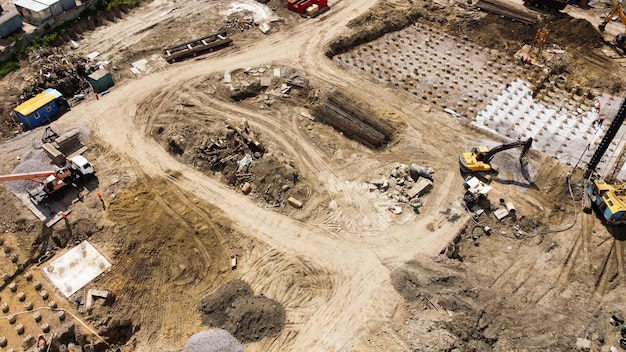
{"x":264,"y":83}
{"x":354,"y":120}
{"x":56,"y":69}
{"x":232,"y":154}
{"x":238,"y":21}
{"x":405,"y":184}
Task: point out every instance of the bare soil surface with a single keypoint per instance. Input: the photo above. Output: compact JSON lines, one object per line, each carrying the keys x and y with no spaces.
{"x":349,"y":274}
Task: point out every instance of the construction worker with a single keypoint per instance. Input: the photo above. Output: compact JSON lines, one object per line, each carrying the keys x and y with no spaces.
{"x":599,"y":121}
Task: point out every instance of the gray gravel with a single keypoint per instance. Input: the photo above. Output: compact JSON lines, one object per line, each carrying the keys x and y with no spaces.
{"x":35,"y":159}
{"x":33,"y":164}
{"x":216,"y":340}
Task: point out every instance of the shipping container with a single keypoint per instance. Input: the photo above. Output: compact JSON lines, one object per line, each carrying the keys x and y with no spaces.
{"x":54,"y":5}
{"x":10,"y":22}
{"x":100,"y":80}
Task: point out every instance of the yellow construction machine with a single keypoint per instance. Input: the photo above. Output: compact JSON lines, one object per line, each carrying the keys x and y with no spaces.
{"x":479,"y":158}
{"x":610,"y":200}
{"x":619,"y":43}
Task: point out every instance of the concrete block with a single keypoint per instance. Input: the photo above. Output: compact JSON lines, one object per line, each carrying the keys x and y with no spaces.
{"x":422,"y":187}
{"x":246,"y":188}
{"x":92,"y":294}
{"x":501,"y":213}
{"x":294,"y":202}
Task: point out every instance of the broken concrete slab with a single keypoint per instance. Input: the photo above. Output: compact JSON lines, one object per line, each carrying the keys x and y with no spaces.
{"x":294,"y":202}
{"x":266,"y":81}
{"x":76,"y":268}
{"x":501,"y":213}
{"x":228,"y":78}
{"x":265,"y":28}
{"x":378,"y":182}
{"x":92,"y":295}
{"x":420,"y":188}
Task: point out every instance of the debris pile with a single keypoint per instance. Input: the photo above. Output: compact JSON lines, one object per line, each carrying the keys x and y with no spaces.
{"x":237,"y":154}
{"x":239,"y":21}
{"x":233,"y":154}
{"x":354,"y":120}
{"x":405,"y":184}
{"x":59,"y":70}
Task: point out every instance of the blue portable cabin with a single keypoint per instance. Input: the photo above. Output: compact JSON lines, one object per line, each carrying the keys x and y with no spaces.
{"x":41,"y":108}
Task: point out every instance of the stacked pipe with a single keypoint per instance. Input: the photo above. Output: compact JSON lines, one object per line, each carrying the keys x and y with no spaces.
{"x":353,"y":120}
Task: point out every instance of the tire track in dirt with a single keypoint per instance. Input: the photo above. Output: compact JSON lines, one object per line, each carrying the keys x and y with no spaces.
{"x":580,"y":244}
{"x":360,"y":282}
{"x":311,"y":161}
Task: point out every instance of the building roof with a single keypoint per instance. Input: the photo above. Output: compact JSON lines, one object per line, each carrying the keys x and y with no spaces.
{"x":48,"y":2}
{"x":96,"y":75}
{"x":6,"y":16}
{"x":39,"y":100}
{"x":31,"y":5}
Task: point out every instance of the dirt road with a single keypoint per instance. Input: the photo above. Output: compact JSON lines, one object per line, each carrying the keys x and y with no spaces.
{"x":355,"y":290}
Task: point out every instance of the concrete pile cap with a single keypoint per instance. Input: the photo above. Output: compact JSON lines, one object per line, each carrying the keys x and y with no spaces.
{"x":217,"y":340}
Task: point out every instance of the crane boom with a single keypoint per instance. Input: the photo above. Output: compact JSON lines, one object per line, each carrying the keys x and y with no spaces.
{"x":27,"y":176}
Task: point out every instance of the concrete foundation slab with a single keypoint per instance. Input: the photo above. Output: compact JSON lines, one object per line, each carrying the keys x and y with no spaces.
{"x":76,"y":268}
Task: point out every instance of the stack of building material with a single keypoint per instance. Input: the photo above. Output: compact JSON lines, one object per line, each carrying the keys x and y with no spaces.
{"x":63,"y":146}
{"x":354,"y":120}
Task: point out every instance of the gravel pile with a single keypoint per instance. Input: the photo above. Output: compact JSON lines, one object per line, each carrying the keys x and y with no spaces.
{"x":212,"y":341}
{"x":33,"y":164}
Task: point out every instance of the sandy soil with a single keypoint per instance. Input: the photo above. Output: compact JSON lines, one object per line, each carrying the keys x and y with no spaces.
{"x":350,"y":275}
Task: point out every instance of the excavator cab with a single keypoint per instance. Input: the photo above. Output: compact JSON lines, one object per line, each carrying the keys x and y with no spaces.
{"x":472,"y":161}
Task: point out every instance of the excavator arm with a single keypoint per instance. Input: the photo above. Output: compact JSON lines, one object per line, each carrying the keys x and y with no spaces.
{"x":479,"y":158}
{"x":617,"y":10}
{"x":490,"y":154}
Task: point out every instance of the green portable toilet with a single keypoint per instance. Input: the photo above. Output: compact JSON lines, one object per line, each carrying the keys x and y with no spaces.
{"x":100,"y":80}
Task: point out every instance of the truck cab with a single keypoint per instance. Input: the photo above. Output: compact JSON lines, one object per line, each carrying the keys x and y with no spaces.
{"x":81,"y":166}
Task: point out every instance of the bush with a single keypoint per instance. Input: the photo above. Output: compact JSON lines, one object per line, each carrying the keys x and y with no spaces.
{"x":8,"y":67}
{"x":45,"y":41}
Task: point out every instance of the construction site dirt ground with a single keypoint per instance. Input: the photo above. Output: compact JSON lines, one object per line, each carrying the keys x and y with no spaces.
{"x":345,"y":271}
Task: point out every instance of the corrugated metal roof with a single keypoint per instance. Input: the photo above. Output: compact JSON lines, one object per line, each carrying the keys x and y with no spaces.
{"x":39,"y":100}
{"x":31,"y":5}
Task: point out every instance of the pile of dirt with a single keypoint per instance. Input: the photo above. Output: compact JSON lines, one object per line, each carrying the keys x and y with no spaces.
{"x":234,"y":307}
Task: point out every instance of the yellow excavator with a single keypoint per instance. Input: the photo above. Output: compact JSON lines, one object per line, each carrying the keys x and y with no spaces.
{"x":619,"y":43}
{"x":479,"y":158}
{"x":610,"y":200}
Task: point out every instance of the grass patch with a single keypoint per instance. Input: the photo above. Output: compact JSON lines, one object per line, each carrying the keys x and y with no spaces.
{"x":8,"y":67}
